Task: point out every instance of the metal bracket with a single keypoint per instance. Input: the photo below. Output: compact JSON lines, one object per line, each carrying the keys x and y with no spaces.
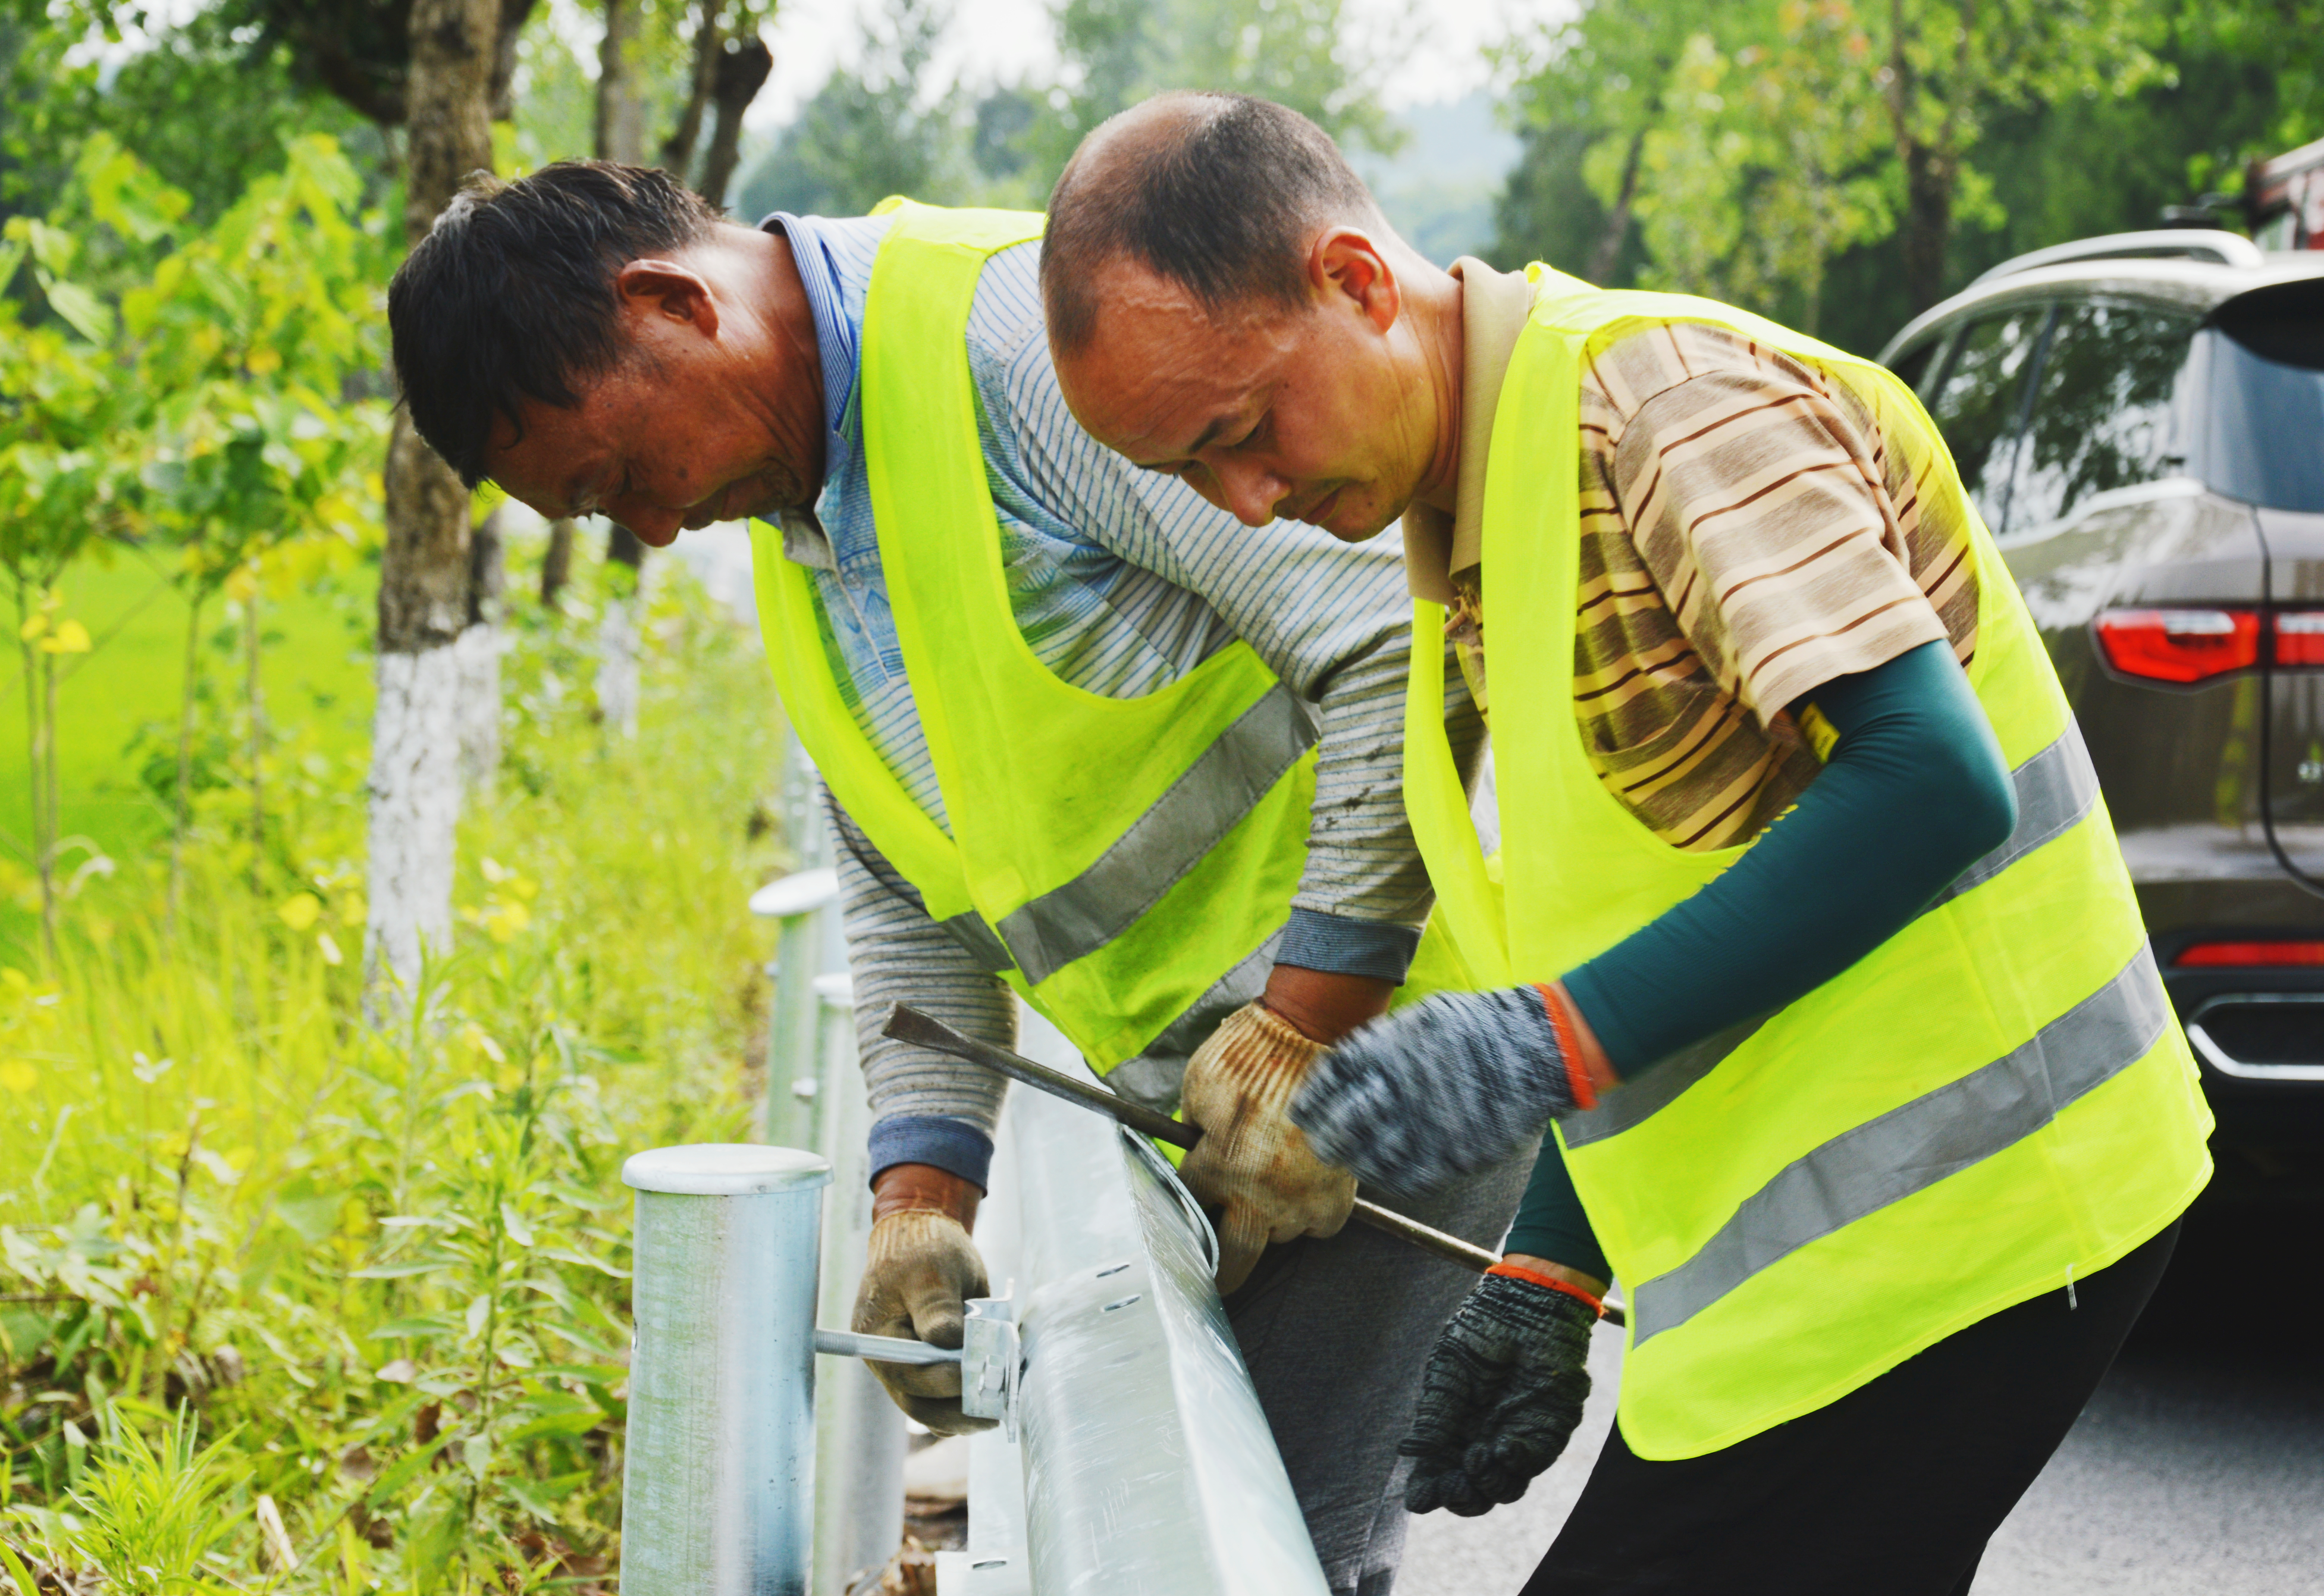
{"x":991,"y":1361}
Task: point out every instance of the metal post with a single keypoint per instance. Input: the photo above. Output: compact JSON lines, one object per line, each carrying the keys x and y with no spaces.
{"x":716,"y":1482}
{"x":802,"y":906}
{"x":860,"y":1437}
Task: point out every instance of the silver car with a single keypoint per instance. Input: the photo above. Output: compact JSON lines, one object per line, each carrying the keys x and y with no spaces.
{"x":2141,"y":422}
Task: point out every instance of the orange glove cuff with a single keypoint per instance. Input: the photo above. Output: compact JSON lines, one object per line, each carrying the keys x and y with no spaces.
{"x":1535,"y":1278}
{"x":1569,"y":1047}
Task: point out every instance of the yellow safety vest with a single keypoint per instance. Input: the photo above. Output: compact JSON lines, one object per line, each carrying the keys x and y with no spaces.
{"x":1995,"y":1101}
{"x":1125,"y":864}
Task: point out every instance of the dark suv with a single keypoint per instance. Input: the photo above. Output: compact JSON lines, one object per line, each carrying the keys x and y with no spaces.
{"x":2141,"y":422}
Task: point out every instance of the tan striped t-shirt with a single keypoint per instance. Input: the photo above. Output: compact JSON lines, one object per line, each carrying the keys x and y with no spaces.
{"x":1746,"y":537}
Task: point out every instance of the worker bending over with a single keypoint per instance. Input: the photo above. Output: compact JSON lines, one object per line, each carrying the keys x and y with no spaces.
{"x":1083,"y":734}
{"x":1808,"y":931}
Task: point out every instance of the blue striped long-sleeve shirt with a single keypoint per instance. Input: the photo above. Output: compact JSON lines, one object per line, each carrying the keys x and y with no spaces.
{"x":1121,"y":581}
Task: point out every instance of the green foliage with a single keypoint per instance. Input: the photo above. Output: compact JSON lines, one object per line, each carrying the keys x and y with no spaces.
{"x":209,"y":113}
{"x":886,"y":126}
{"x":184,"y":389}
{"x":1768,"y":166}
{"x":873,"y":130}
{"x":1794,"y":154}
{"x":382,"y":1275}
{"x":148,"y":1515}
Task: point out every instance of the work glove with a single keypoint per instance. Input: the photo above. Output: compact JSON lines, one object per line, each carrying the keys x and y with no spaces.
{"x":1502,"y":1393}
{"x":919,"y":1272}
{"x":1450,"y":1086}
{"x":1252,"y":1162}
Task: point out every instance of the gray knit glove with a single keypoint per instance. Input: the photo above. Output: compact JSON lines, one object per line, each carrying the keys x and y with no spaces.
{"x":1450,"y":1085}
{"x":1503,"y":1391}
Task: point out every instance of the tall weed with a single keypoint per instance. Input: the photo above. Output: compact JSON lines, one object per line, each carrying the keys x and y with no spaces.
{"x":384,"y":1272}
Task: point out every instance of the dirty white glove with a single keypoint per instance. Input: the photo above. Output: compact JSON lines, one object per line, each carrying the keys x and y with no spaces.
{"x":920,"y":1271}
{"x":1252,"y":1162}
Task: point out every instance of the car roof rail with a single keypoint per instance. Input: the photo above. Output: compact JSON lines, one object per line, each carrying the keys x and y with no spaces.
{"x":2192,"y":243}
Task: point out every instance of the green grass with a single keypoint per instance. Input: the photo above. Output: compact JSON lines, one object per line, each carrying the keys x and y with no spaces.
{"x":316,"y":672}
{"x":260,"y":1261}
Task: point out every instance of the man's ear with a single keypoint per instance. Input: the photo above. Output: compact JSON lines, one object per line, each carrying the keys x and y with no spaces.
{"x":669,"y":290}
{"x":1345,"y":263}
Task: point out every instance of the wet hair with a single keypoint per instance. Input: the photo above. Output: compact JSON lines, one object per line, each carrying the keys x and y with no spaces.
{"x":512,"y":296}
{"x":1220,"y":193}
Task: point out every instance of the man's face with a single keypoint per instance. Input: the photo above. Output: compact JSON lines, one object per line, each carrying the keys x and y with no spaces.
{"x":710,"y":416}
{"x":1304,"y":414}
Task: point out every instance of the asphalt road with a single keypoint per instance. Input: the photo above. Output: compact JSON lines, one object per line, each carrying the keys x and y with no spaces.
{"x":2197,"y":1470}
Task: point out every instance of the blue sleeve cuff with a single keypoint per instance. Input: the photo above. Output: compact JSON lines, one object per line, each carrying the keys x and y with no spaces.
{"x":953,"y":1145}
{"x":1316,"y":941}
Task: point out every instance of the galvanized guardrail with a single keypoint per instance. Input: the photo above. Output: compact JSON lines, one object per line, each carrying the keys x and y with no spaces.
{"x":1131,"y":1457}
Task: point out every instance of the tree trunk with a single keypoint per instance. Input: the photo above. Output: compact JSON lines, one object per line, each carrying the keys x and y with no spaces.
{"x":677,"y":150}
{"x":617,"y":632}
{"x":480,"y":659}
{"x":743,"y":69}
{"x":619,"y":135}
{"x":513,"y":14}
{"x":557,"y":564}
{"x":1617,"y":224}
{"x":424,"y":576}
{"x":1928,"y":223}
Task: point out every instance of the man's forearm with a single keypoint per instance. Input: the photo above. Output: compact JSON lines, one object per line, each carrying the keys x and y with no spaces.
{"x":929,"y":1107}
{"x":1915,"y":792}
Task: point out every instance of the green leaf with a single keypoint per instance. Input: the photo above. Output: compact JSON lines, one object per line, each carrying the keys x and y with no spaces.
{"x":403,"y":1471}
{"x":539,"y":1497}
{"x":26,"y":1585}
{"x":568,"y":1255}
{"x":82,"y":310}
{"x":588,"y":1374}
{"x":557,"y":1424}
{"x":397,"y":1271}
{"x":312,"y":1217}
{"x":411,"y":1330}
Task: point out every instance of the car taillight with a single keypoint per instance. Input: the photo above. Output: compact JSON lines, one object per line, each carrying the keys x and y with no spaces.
{"x":2180,"y":645}
{"x":2247,"y":954}
{"x":2300,"y":636}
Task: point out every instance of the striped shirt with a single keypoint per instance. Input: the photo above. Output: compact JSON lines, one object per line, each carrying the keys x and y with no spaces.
{"x":1121,"y":581}
{"x":1746,"y":535}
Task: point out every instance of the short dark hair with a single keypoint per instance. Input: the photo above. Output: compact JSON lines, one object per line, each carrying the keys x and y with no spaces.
{"x":1222,"y":199}
{"x":513,"y":295}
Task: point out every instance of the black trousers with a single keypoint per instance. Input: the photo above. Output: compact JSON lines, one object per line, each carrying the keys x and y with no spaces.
{"x":1892,"y":1490}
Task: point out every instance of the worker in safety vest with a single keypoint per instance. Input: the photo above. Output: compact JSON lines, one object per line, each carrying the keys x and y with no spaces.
{"x":1084,"y":735}
{"x":1807,"y":931}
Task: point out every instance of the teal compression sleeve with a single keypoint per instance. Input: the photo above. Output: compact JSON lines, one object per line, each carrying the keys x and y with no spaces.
{"x":1550,"y":1223}
{"x":1915,"y":792}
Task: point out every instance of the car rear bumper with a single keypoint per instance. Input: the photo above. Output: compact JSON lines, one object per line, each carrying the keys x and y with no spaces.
{"x":2257,"y":1035}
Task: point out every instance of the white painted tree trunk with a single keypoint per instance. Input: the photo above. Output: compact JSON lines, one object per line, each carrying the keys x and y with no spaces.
{"x":479,"y":655}
{"x":415,"y":812}
{"x":617,"y":664}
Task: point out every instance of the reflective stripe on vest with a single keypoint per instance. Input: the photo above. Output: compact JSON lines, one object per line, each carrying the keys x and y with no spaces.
{"x":2055,"y":790}
{"x":1993,"y":1101}
{"x":1125,"y":864}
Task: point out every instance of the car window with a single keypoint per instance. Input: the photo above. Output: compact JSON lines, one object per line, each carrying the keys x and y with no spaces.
{"x":2264,"y":440}
{"x":2102,"y":416}
{"x":1912,"y":365}
{"x":1977,"y":401}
